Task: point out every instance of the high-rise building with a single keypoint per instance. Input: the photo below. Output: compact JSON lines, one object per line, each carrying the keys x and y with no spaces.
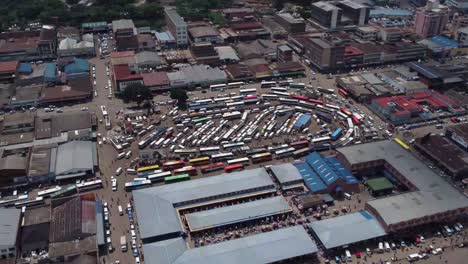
{"x":326,"y":14}
{"x":177,"y":26}
{"x":431,"y":19}
{"x":358,"y":13}
{"x":326,"y":52}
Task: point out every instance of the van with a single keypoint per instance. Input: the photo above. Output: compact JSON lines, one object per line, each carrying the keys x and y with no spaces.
{"x":387,"y":246}
{"x":132,"y":232}
{"x":131,"y":171}
{"x":413,"y":257}
{"x":347,"y":196}
{"x":121,"y":155}
{"x":120,"y":210}
{"x":348,"y":256}
{"x":118,"y":171}
{"x":128,"y":154}
{"x":380,"y":249}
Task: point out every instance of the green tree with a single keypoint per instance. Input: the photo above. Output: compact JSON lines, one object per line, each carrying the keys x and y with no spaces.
{"x":181,"y":96}
{"x":136,"y":92}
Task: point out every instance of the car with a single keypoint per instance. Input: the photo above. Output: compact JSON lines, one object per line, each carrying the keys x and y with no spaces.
{"x":135,"y":252}
{"x":368,"y":251}
{"x":84,"y":108}
{"x":137,"y":260}
{"x":132,"y":227}
{"x":358,"y":254}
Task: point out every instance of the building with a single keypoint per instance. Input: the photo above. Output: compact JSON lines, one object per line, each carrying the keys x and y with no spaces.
{"x":35,"y":229}
{"x":287,"y":175}
{"x":284,"y":53}
{"x":290,"y":23}
{"x":70,"y":47}
{"x":28,"y":45}
{"x":204,"y":33}
{"x":445,"y":153}
{"x":9,"y":232}
{"x":379,"y":186}
{"x":204,"y":53}
{"x":165,"y":40}
{"x":196,"y":75}
{"x":75,"y":159}
{"x":390,"y":34}
{"x":156,"y":81}
{"x":237,"y":13}
{"x":177,"y":26}
{"x":358,"y":13}
{"x":146,"y":60}
{"x":18,"y":123}
{"x":146,"y":42}
{"x":125,"y":34}
{"x":94,"y":27}
{"x":368,"y":33}
{"x":461,"y":5}
{"x":462,"y":35}
{"x":326,"y":14}
{"x":123,"y":77}
{"x":325,"y":53}
{"x":459,"y":135}
{"x":458,"y":21}
{"x":8,"y":71}
{"x":68,"y":32}
{"x":431,"y":19}
{"x":227,"y":54}
{"x":430,"y":198}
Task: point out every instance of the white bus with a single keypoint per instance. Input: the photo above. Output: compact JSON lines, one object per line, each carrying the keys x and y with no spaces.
{"x":217,"y":87}
{"x":247,"y":91}
{"x":48,"y":192}
{"x":267,"y":84}
{"x":234,"y":85}
{"x":90,"y":185}
{"x":244,"y":161}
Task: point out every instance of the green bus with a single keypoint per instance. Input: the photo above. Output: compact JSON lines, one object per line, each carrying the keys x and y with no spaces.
{"x":177,"y":178}
{"x":200,"y":120}
{"x":66,"y":191}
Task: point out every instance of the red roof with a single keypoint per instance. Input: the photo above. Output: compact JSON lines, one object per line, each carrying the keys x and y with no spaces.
{"x":260,"y":68}
{"x":8,"y":66}
{"x":352,"y":51}
{"x":155,"y":79}
{"x":121,"y":54}
{"x":246,"y":25}
{"x":122,"y":73}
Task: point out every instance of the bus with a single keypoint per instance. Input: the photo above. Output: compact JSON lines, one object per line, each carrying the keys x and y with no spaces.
{"x":325,"y":90}
{"x":336,"y":134}
{"x":212,"y":167}
{"x":201,"y":120}
{"x":172,"y":165}
{"x":355,"y":120}
{"x":108,"y":122}
{"x":185,"y":152}
{"x":49,"y":192}
{"x":10,"y":202}
{"x":256,"y":151}
{"x":346,"y":111}
{"x":234,"y":167}
{"x":279,"y":89}
{"x":267,"y":84}
{"x":233,"y":145}
{"x":89,"y":185}
{"x":283,"y":153}
{"x":209,"y":149}
{"x":134,"y":185}
{"x":244,"y":160}
{"x":300,"y":97}
{"x":159,"y":177}
{"x":103,"y":110}
{"x":324,"y":116}
{"x":300,"y":144}
{"x":176,"y":178}
{"x":217,"y":87}
{"x":29,"y":203}
{"x":343,"y":93}
{"x":200,"y":161}
{"x":247,"y":91}
{"x":146,"y":173}
{"x":316,"y":101}
{"x":401,"y":143}
{"x":269,"y":96}
{"x":235,"y":85}
{"x":261,"y":157}
{"x":281,"y":94}
{"x":66,"y":191}
{"x":222,"y":156}
{"x":321,"y":139}
{"x":190,"y":170}
{"x":297,"y":85}
{"x":148,"y":168}
{"x":117,"y":146}
{"x":301,"y":153}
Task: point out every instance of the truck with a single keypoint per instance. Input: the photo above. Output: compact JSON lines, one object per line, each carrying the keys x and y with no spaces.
{"x":123,"y":243}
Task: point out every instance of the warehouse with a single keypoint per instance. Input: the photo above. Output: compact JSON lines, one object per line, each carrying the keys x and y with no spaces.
{"x":459,"y":135}
{"x":75,"y":159}
{"x":430,"y":199}
{"x":156,"y":207}
{"x":269,"y":247}
{"x":346,"y":230}
{"x":238,"y":213}
{"x":287,"y":175}
{"x":311,"y":179}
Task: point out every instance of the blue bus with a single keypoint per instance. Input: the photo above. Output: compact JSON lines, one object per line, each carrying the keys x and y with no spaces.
{"x":336,"y":134}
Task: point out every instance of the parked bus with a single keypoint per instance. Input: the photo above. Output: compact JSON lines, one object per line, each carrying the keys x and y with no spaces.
{"x":279,"y":89}
{"x":185,"y":152}
{"x":355,"y":120}
{"x":66,"y":191}
{"x":269,"y":96}
{"x":235,"y":85}
{"x":222,"y":156}
{"x":146,"y":173}
{"x":10,"y":202}
{"x":209,"y":149}
{"x":103,"y":110}
{"x":147,"y":168}
{"x":29,"y":203}
{"x":233,"y":145}
{"x":212,"y":167}
{"x":159,"y":177}
{"x":336,"y":134}
{"x":343,"y":93}
{"x":300,"y":144}
{"x":217,"y":87}
{"x":234,"y":167}
{"x":244,"y":160}
{"x":325,"y":90}
{"x":49,"y":192}
{"x":88,"y":186}
{"x":266,"y":84}
{"x":190,"y":170}
{"x":172,"y":165}
{"x":281,"y":94}
{"x":134,"y":185}
{"x":316,"y":101}
{"x":283,"y":153}
{"x":261,"y":157}
{"x":301,"y":153}
{"x":297,"y":85}
{"x":324,"y":116}
{"x":247,"y":91}
{"x":200,"y":161}
{"x":321,"y":139}
{"x":176,"y":178}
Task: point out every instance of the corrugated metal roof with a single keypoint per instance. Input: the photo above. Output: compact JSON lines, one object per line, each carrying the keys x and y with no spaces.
{"x":9,"y":226}
{"x":347,"y":229}
{"x":266,"y":247}
{"x":286,"y":173}
{"x":74,"y":157}
{"x":311,"y":179}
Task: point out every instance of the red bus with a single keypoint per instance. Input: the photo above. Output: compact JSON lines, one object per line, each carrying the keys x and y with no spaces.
{"x":234,"y":167}
{"x":250,"y":96}
{"x":190,"y":170}
{"x":343,"y":92}
{"x":355,"y":120}
{"x":316,"y":101}
{"x":261,"y":157}
{"x":300,"y":97}
{"x":300,"y":144}
{"x":212,"y":167}
{"x":172,"y":165}
{"x":346,"y":111}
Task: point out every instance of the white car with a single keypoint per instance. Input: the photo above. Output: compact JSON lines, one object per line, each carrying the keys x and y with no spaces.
{"x":114,"y":185}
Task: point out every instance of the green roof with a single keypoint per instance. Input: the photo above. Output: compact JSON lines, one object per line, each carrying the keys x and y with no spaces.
{"x":379,"y":184}
{"x":94,"y":24}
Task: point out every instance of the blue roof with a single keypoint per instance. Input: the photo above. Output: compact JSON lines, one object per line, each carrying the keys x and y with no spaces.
{"x":311,"y":179}
{"x":424,"y":70}
{"x":329,"y":169}
{"x":25,"y":68}
{"x":446,"y":42}
{"x":50,"y":71}
{"x":303,"y":120}
{"x":78,"y":66}
{"x":390,"y":12}
{"x":164,"y":36}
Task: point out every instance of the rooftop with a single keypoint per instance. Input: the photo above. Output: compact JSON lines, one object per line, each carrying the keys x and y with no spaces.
{"x":8,"y":66}
{"x":203,"y":31}
{"x":433,"y":195}
{"x":75,"y":156}
{"x":266,"y":247}
{"x":461,"y":130}
{"x":9,"y":226}
{"x":156,"y":206}
{"x":326,"y":6}
{"x":286,"y":173}
{"x":379,"y":184}
{"x":347,"y":229}
{"x":122,"y":24}
{"x":175,"y":17}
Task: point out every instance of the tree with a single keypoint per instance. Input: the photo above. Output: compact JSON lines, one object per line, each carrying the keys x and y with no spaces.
{"x":181,"y":96}
{"x":136,"y":92}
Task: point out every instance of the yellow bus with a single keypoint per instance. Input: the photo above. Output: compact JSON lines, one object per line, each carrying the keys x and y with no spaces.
{"x":147,"y":168}
{"x":200,"y":161}
{"x":401,"y":143}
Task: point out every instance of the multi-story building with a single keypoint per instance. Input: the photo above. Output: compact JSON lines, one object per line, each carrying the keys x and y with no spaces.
{"x":358,"y":13}
{"x":366,"y":33}
{"x":8,"y":71}
{"x":326,"y":52}
{"x":462,"y":34}
{"x":391,"y":34}
{"x":326,"y":14}
{"x":431,"y":19}
{"x":458,"y":21}
{"x":204,"y":33}
{"x":177,"y":26}
{"x":9,"y":232}
{"x":125,"y":34}
{"x":290,"y":23}
{"x":284,"y":53}
{"x":28,"y":45}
